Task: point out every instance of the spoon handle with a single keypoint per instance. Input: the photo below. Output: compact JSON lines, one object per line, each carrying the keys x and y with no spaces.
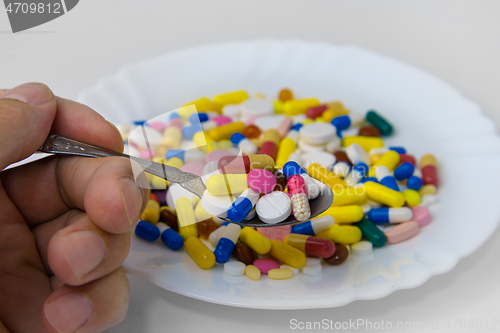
{"x":56,"y":144}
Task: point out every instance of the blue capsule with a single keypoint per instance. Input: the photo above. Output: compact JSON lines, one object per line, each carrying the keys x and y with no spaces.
{"x":170,"y":237}
{"x":314,"y":226}
{"x":179,"y":153}
{"x":236,"y":138}
{"x":341,"y":123}
{"x":292,"y":168}
{"x":140,"y":122}
{"x":198,"y":118}
{"x":404,"y":171}
{"x":242,"y":205}
{"x":189,"y":131}
{"x":390,"y":215}
{"x":296,"y":127}
{"x":147,"y":231}
{"x":226,"y":243}
{"x":414,"y":183}
{"x":390,"y":182}
{"x":399,"y":150}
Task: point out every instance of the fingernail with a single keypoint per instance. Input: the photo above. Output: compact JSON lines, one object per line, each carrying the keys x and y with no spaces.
{"x":69,"y":312}
{"x":132,"y":197}
{"x":84,"y":251}
{"x":31,"y":93}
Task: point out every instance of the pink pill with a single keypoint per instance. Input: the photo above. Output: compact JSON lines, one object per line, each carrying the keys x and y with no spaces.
{"x":276,"y":233}
{"x":265,"y":265}
{"x":158,"y":125}
{"x":285,"y":126}
{"x":216,"y":155}
{"x":421,"y":215}
{"x":261,"y":181}
{"x":222,"y":120}
{"x":194,"y":168}
{"x":401,"y":232}
{"x":176,"y":122}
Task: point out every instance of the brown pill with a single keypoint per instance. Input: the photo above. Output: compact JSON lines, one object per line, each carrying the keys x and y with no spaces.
{"x":280,"y":181}
{"x":339,"y":257}
{"x":285,"y":95}
{"x":206,"y":227}
{"x":252,"y":132}
{"x":169,"y":217}
{"x":244,"y":253}
{"x":341,"y":156}
{"x":369,"y":130}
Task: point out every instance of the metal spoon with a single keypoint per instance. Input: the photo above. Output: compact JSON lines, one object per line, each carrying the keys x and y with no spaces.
{"x":56,"y":144}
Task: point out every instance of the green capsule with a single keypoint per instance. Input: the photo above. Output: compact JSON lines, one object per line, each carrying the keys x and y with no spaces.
{"x":376,"y":120}
{"x":370,"y":231}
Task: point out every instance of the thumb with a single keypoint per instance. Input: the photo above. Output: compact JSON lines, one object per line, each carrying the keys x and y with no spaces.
{"x":26,"y":115}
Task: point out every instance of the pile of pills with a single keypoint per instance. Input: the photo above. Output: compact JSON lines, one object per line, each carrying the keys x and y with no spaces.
{"x":258,"y":157}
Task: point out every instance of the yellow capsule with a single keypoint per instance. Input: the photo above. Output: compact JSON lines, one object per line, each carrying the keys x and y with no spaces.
{"x":319,"y":120}
{"x":428,"y":159}
{"x":252,"y":272}
{"x":298,"y":106}
{"x":280,"y":274}
{"x":233,"y":97}
{"x":366,"y":142}
{"x":336,"y":106}
{"x":345,"y":214}
{"x":199,"y":252}
{"x":427,"y":189}
{"x":224,"y":132}
{"x":298,"y":241}
{"x":323,"y":175}
{"x":349,"y":196}
{"x":307,"y":121}
{"x":278,"y":106}
{"x":255,"y":240}
{"x":328,"y":115}
{"x":390,"y":160}
{"x":228,"y":183}
{"x":200,"y":213}
{"x":152,"y":212}
{"x":271,"y":135}
{"x":186,"y":218}
{"x":223,"y":144}
{"x":203,"y":141}
{"x":345,"y":234}
{"x":202,"y":104}
{"x":288,"y":254}
{"x":374,"y":158}
{"x":286,"y":148}
{"x":412,"y":197}
{"x":384,"y":195}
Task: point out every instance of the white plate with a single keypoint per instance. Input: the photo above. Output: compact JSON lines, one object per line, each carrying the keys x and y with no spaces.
{"x":428,"y":114}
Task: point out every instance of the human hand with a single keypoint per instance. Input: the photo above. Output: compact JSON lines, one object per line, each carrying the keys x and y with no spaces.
{"x":64,"y":221}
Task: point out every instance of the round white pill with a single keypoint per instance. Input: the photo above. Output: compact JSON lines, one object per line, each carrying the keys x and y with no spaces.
{"x":317,"y":133}
{"x":356,"y":154}
{"x":313,"y":270}
{"x":254,"y":108}
{"x":307,"y":147}
{"x":234,"y":268}
{"x":310,"y":261}
{"x":322,"y":158}
{"x":294,"y":270}
{"x":333,"y":145}
{"x":362,"y":248}
{"x":274,"y":207}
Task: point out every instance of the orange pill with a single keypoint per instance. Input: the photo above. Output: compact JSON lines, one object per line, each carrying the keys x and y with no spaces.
{"x":285,"y":95}
{"x":252,"y":132}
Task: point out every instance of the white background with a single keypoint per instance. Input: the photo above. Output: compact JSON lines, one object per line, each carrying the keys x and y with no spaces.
{"x":456,"y":40}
